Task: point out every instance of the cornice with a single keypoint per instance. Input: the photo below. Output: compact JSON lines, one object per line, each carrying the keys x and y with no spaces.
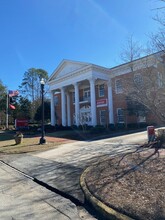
{"x":103,"y":69}
{"x":143,"y":62}
{"x":70,"y":75}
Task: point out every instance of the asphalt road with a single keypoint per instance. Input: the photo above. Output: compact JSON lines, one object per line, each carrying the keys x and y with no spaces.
{"x":61,"y":168}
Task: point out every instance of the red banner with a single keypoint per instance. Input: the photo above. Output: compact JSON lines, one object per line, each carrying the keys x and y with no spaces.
{"x":101,"y":102}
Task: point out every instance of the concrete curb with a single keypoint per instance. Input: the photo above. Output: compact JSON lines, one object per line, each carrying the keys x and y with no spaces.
{"x":105,"y":211}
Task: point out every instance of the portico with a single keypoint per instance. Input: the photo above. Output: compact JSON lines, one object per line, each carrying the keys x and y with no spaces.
{"x":73,"y":85}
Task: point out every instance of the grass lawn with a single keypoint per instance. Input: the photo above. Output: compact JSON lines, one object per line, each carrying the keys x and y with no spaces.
{"x":30,"y":143}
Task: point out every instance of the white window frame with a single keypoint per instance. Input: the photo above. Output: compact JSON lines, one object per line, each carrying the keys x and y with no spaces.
{"x":86,"y":93}
{"x":138,"y":79}
{"x":118,"y":86}
{"x":103,"y":117}
{"x":120,"y":115}
{"x":101,"y":90}
{"x":141,"y":118}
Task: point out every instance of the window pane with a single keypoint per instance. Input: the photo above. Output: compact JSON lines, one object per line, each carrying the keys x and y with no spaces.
{"x":102,"y":117}
{"x":119,"y":86}
{"x":138,"y":79}
{"x":120,"y":115}
{"x":101,"y":90}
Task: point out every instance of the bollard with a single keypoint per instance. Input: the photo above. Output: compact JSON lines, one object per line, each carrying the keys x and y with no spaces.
{"x":151,"y":133}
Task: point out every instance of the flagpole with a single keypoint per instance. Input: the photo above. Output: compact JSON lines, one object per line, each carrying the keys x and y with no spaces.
{"x":7,"y":111}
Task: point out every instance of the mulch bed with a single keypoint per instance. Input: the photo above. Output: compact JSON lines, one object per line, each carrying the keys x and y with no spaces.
{"x":133,"y":184}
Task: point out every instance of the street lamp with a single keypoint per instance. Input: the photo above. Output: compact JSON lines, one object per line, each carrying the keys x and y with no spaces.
{"x":42,"y":139}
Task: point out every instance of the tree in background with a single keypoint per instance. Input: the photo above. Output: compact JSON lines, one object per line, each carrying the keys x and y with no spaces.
{"x":146,"y":86}
{"x":158,"y":38}
{"x":131,"y":51}
{"x":30,"y":87}
{"x":38,"y":114}
{"x":146,"y":83}
{"x":3,"y":96}
{"x":23,"y":109}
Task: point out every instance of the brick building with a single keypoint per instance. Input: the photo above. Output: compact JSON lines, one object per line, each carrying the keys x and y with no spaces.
{"x":85,"y":93}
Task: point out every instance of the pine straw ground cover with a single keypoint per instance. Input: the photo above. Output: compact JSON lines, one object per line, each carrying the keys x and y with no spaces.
{"x":133,"y":184}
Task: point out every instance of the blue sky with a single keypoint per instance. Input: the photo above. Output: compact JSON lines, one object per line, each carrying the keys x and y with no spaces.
{"x":41,"y":33}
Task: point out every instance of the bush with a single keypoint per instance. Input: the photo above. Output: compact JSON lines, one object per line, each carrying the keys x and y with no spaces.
{"x":111,"y":127}
{"x":97,"y":129}
{"x":50,"y":128}
{"x":120,"y":126}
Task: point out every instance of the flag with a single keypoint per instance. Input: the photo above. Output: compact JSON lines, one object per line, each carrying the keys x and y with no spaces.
{"x":11,"y":106}
{"x":13,"y":93}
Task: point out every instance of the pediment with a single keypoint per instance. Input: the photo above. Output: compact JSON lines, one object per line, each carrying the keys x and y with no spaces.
{"x":67,"y":67}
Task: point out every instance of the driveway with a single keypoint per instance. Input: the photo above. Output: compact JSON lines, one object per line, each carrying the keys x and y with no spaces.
{"x":61,"y":168}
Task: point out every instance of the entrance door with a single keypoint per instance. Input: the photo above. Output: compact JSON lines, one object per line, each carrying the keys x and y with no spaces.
{"x":85,"y":115}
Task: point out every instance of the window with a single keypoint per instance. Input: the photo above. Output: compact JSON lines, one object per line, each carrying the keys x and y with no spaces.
{"x":118,"y":86}
{"x":160,"y":80}
{"x":85,"y":118}
{"x":102,"y":117}
{"x":87,"y":94}
{"x":141,"y":119}
{"x":101,"y":90}
{"x":138,"y":80}
{"x":120,"y":115}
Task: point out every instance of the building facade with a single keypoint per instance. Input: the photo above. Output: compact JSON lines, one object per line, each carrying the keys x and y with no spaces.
{"x":85,"y":93}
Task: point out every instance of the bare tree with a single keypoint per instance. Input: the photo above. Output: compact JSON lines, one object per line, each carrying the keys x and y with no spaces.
{"x":158,"y":38}
{"x":132,"y":50}
{"x":146,"y":85}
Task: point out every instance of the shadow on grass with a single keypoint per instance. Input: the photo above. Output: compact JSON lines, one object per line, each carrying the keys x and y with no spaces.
{"x":73,"y":134}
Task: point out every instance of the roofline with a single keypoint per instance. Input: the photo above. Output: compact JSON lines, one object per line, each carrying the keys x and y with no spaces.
{"x":149,"y":55}
{"x":66,"y":60}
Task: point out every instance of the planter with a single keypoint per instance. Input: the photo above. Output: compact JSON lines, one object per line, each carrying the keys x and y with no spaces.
{"x":18,"y":138}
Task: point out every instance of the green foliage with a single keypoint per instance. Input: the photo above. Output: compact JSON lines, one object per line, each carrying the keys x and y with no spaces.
{"x":3,"y":95}
{"x":97,"y":129}
{"x":38,"y":114}
{"x":31,"y":82}
{"x":31,"y":87}
{"x":24,"y":108}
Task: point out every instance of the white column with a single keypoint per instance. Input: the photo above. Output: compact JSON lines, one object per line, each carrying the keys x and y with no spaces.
{"x":110,"y":103}
{"x":93,"y":101}
{"x":68,"y":109}
{"x":53,"y":118}
{"x":63,"y":101}
{"x":77,"y":105}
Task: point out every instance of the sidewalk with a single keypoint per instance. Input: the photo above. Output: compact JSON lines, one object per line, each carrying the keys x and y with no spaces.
{"x":21,"y":198}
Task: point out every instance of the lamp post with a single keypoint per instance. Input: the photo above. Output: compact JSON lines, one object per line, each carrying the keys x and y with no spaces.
{"x":42,"y":139}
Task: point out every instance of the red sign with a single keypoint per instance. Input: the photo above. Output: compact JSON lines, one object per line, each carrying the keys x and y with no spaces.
{"x":101,"y":102}
{"x":151,"y":133}
{"x":21,"y":123}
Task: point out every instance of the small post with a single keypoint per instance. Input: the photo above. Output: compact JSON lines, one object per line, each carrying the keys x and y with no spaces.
{"x":151,"y":133}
